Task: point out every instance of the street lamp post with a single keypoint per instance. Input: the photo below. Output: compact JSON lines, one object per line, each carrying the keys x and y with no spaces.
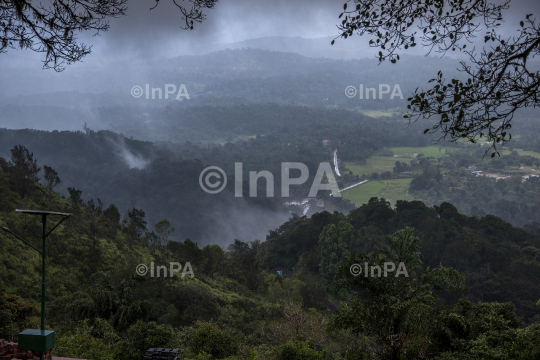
{"x":31,"y":339}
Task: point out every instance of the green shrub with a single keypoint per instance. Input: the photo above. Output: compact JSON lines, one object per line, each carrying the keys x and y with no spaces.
{"x":210,"y":339}
{"x":300,"y":351}
{"x":82,"y":345}
{"x":145,"y":335}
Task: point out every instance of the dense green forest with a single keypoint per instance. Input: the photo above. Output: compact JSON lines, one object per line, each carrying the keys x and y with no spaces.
{"x":236,"y":306}
{"x":163,"y":177}
{"x":503,"y":187}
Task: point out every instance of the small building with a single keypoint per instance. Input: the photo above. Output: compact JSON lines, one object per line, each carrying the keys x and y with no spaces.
{"x":471,"y":168}
{"x":325,"y":142}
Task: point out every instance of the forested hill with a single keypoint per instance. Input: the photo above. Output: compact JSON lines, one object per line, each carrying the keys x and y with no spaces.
{"x":501,"y":262}
{"x":225,"y":78}
{"x":101,"y":308}
{"x":163,"y":179}
{"x":199,"y":71}
{"x":218,"y":123}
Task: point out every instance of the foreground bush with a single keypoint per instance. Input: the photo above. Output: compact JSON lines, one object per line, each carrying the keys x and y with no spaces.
{"x":210,"y":339}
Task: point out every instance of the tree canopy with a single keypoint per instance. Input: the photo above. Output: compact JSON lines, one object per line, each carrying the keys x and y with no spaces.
{"x":51,"y":27}
{"x":499,"y":81}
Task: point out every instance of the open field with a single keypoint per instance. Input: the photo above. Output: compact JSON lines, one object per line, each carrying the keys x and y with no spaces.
{"x":391,"y":190}
{"x":380,"y":164}
{"x":377,"y":164}
{"x":530,"y":153}
{"x":396,"y":189}
{"x":428,"y":151}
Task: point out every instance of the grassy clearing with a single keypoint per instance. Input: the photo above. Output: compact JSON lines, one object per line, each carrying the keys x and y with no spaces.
{"x":396,"y":189}
{"x":428,"y":151}
{"x":520,"y":152}
{"x":391,"y":190}
{"x":377,"y":164}
{"x":530,"y":153}
{"x":380,"y":164}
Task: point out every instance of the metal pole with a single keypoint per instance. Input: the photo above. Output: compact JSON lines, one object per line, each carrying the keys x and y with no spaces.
{"x":43,"y":253}
{"x":43,"y":283}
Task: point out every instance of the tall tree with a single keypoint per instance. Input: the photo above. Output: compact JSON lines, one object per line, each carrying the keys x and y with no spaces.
{"x":51,"y":178}
{"x":25,"y":168}
{"x":136,"y":219}
{"x":113,"y":217}
{"x":164,"y":230}
{"x":76,"y":198}
{"x":333,"y":244}
{"x":396,"y":309}
{"x":213,"y":258}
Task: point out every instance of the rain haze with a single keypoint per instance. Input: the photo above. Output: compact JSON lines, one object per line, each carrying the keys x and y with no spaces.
{"x":262,"y":161}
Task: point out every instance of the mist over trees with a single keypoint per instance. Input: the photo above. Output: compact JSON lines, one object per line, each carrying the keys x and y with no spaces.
{"x":151,"y":258}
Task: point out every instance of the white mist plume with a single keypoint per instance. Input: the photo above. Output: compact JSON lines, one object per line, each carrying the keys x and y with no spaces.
{"x":134,"y":161}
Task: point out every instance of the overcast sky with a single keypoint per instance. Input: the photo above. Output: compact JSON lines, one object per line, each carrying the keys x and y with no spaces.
{"x":144,"y":33}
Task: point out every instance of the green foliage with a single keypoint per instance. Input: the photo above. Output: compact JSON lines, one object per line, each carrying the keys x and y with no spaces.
{"x":145,"y":335}
{"x":112,"y":297}
{"x":5,"y":314}
{"x":164,"y":230}
{"x":243,"y":265}
{"x":396,"y":310}
{"x":112,"y":215}
{"x":511,"y":198}
{"x":51,"y":178}
{"x":333,"y":244}
{"x":24,"y":169}
{"x":92,"y":276}
{"x":135,"y":220}
{"x":284,"y":289}
{"x":485,"y":249}
{"x":15,"y":314}
{"x":300,"y":351}
{"x":213,"y":259}
{"x":210,"y":339}
{"x":484,"y":331}
{"x":90,"y":161}
{"x":83,"y":345}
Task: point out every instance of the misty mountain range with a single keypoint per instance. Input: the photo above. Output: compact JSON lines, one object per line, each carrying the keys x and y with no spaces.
{"x":234,"y":95}
{"x":46,"y":100}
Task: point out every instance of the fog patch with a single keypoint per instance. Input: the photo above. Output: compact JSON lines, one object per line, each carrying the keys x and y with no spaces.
{"x":243,"y":221}
{"x":132,"y":160}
